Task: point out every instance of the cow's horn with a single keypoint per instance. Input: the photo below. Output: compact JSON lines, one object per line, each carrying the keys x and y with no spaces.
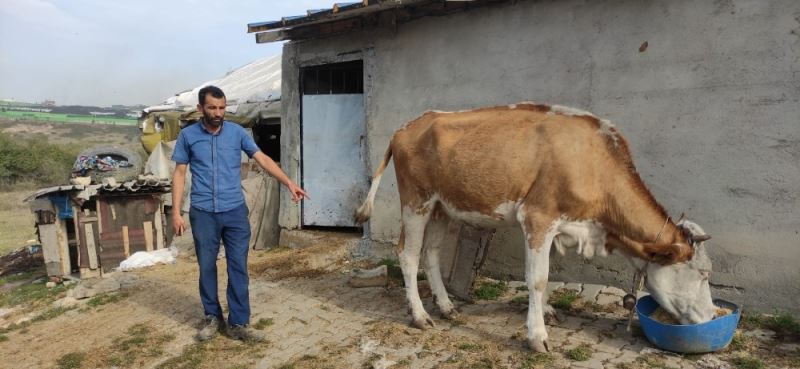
{"x":701,"y":238}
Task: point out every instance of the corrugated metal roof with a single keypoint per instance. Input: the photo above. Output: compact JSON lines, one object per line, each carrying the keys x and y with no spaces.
{"x":278,"y":30}
{"x":142,"y":184}
{"x":353,"y":16}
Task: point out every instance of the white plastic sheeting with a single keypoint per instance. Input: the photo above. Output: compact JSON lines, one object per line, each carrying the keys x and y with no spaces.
{"x":254,"y":83}
{"x":142,"y":259}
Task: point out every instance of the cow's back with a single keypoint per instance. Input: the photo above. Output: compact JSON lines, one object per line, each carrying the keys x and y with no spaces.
{"x":478,"y":160}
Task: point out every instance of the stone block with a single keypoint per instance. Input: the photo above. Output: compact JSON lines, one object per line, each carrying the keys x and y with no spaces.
{"x":377,"y":277}
{"x":590,"y":291}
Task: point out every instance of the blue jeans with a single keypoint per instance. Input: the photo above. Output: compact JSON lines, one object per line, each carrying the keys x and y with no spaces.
{"x":234,"y":229}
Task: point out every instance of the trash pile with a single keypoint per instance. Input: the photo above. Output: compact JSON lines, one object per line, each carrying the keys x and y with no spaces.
{"x":84,"y":164}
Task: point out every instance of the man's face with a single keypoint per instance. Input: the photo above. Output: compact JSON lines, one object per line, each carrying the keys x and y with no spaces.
{"x":213,"y":110}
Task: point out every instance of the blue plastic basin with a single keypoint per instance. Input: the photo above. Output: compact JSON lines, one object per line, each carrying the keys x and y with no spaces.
{"x":691,"y":338}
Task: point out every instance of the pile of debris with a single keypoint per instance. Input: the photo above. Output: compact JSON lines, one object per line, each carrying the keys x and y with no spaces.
{"x":21,"y":260}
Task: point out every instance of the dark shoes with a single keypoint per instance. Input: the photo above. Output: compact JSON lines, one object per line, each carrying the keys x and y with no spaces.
{"x":245,"y":333}
{"x":211,"y":326}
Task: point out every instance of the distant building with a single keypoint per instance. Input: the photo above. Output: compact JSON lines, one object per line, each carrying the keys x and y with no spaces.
{"x":49,"y":103}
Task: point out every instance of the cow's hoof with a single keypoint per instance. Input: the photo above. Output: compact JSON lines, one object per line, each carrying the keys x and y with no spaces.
{"x":539,"y":345}
{"x":422,"y":323}
{"x":450,"y":315}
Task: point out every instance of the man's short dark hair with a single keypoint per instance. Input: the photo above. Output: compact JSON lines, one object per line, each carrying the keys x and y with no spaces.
{"x":213,"y":90}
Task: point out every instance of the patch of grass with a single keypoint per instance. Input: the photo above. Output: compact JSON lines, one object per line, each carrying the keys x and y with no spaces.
{"x":107,"y":298}
{"x":51,"y":313}
{"x":747,"y":362}
{"x":522,"y":288}
{"x":127,"y":351}
{"x":537,"y":360}
{"x":563,"y":298}
{"x":469,"y":346}
{"x":72,"y":360}
{"x":782,"y":324}
{"x":653,"y":361}
{"x":21,"y":276}
{"x":263,"y":323}
{"x":521,"y":299}
{"x":31,"y":294}
{"x":482,"y":363}
{"x":191,"y":357}
{"x":581,"y":353}
{"x":740,"y":342}
{"x":490,"y":290}
{"x":3,"y":338}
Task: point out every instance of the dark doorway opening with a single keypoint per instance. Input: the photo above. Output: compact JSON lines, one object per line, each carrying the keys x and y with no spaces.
{"x":267,"y":134}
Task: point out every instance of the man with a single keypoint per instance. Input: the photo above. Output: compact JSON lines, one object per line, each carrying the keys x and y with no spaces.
{"x":212,"y":148}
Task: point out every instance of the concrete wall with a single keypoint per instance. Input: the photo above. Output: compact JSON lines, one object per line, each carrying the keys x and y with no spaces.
{"x":710,"y":110}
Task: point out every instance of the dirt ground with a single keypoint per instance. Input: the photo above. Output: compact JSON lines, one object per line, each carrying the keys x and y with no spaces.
{"x":312,"y":319}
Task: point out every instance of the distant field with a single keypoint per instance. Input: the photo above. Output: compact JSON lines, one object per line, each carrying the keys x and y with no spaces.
{"x":16,"y":220}
{"x":84,"y":134}
{"x":65,"y":118}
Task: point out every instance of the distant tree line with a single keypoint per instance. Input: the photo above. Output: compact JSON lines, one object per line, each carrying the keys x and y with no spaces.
{"x":34,"y":161}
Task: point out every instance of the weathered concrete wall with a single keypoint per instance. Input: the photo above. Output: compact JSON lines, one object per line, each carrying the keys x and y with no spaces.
{"x":710,"y":109}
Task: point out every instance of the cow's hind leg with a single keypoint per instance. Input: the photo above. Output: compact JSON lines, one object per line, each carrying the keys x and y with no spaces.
{"x":414,"y":222}
{"x":435,"y":236}
{"x":537,"y":265}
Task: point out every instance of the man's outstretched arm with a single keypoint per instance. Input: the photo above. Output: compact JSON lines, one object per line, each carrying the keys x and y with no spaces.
{"x":269,"y":166}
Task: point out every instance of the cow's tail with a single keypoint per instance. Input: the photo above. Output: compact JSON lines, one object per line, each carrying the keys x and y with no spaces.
{"x":363,"y":213}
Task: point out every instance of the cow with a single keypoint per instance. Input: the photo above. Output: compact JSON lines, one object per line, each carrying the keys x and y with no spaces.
{"x":564,"y":176}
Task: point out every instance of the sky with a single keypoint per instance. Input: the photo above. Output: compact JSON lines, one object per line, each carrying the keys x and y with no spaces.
{"x":107,"y":52}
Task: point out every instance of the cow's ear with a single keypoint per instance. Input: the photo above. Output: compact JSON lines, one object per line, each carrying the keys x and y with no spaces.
{"x":664,"y":253}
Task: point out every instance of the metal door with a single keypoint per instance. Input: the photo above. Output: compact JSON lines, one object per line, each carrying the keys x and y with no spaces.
{"x":334,"y":170}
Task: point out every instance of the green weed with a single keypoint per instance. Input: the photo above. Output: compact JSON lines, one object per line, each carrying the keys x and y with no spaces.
{"x":536,"y":361}
{"x":747,"y":362}
{"x":580,"y":353}
{"x":191,"y":357}
{"x":30,"y":293}
{"x":263,"y":323}
{"x":106,"y":299}
{"x":521,"y":299}
{"x":782,"y":323}
{"x":563,"y":298}
{"x":72,"y":360}
{"x":469,"y":346}
{"x":490,"y":290}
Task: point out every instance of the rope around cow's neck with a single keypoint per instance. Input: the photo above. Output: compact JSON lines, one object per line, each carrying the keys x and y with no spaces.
{"x":638,"y":278}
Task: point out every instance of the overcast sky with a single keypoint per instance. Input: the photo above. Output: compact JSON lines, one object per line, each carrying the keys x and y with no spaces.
{"x":104,"y":52}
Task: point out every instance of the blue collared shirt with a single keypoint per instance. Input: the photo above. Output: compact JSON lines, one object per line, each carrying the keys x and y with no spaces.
{"x":215,"y":161}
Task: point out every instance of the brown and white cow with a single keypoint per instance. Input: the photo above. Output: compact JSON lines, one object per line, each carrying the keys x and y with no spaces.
{"x":564,"y":176}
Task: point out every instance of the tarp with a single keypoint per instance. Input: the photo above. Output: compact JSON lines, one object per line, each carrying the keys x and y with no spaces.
{"x":253,"y":90}
{"x":261,"y":193}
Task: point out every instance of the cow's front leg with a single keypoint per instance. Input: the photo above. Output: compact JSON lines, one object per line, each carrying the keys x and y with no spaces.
{"x":414,"y":223}
{"x":537,"y":265}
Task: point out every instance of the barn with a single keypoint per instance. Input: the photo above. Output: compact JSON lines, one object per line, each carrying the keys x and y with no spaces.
{"x":705,"y":91}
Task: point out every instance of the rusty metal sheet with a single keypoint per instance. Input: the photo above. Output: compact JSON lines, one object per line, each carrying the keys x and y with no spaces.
{"x":130,"y":211}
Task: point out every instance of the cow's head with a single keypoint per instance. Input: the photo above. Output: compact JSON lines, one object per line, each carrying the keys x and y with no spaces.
{"x":682,"y":288}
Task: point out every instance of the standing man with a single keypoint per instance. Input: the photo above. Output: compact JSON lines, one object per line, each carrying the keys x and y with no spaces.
{"x":212,"y":148}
